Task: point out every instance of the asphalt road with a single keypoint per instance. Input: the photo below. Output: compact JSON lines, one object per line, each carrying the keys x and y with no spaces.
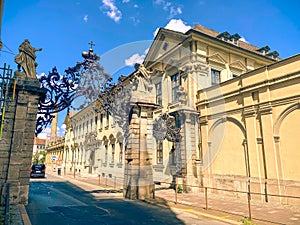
{"x":55,"y":201}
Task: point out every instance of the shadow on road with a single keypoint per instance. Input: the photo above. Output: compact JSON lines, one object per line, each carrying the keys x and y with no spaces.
{"x":62,"y":201}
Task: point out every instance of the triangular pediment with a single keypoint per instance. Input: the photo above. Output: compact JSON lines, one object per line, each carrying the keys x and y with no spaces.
{"x":171,"y":63}
{"x":217,"y":58}
{"x":238,"y":65}
{"x":164,"y":41}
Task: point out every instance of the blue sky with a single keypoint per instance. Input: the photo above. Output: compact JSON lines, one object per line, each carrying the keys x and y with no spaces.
{"x":123,"y":29}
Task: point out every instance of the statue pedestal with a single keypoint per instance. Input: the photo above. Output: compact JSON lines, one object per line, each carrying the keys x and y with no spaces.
{"x":138,"y":156}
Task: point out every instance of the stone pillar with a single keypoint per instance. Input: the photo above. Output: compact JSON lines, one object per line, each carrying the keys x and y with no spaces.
{"x":138,"y":182}
{"x":16,"y":143}
{"x":189,"y":143}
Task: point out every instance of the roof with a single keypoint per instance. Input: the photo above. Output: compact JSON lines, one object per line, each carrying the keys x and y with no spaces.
{"x":239,"y":42}
{"x":38,"y":141}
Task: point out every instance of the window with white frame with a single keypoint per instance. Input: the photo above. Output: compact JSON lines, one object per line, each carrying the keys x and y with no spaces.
{"x":113,"y":152}
{"x":215,"y":77}
{"x":175,"y":80}
{"x":121,"y":152}
{"x":158,"y":94}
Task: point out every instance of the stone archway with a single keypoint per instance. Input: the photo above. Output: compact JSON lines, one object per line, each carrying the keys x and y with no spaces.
{"x":287,"y":133}
{"x":227,"y":151}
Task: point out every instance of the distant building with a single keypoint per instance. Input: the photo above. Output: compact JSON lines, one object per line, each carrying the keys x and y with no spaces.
{"x":39,"y":145}
{"x":54,"y":146}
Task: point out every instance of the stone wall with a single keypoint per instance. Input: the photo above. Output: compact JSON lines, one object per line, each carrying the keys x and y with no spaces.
{"x":16,"y":143}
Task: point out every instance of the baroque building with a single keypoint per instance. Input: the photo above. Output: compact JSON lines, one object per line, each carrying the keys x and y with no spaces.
{"x":227,"y":97}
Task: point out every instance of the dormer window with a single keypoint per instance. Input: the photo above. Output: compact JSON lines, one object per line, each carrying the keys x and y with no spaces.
{"x":225,"y":36}
{"x":234,"y":38}
{"x":264,"y":50}
{"x":273,"y":54}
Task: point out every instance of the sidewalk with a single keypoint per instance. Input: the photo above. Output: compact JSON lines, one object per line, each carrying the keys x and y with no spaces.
{"x":219,"y":208}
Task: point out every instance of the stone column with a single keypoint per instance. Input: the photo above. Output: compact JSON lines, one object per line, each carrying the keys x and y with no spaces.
{"x":188,"y":119}
{"x":18,"y":137}
{"x":138,"y":182}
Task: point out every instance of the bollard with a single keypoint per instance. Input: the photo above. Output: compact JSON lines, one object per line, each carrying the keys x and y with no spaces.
{"x":7,"y":205}
{"x":99,"y":179}
{"x":206,"y":199}
{"x":176,"y":190}
{"x":153,"y":191}
{"x":249,"y":205}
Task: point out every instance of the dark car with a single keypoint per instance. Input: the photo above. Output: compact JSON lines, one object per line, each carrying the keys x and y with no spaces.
{"x":38,"y":170}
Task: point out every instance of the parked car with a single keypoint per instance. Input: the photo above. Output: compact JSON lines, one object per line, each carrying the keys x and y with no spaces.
{"x":37,"y":170}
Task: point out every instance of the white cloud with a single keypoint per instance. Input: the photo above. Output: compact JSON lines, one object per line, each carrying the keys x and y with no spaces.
{"x":136,"y":6}
{"x":146,"y":51}
{"x":158,"y":2}
{"x":62,"y":129}
{"x":166,"y":5}
{"x":169,"y":6}
{"x":63,"y":126}
{"x":135,"y":20}
{"x":85,"y":18}
{"x":126,"y":1}
{"x":112,"y":11}
{"x":244,"y":40}
{"x":45,"y":133}
{"x":176,"y":25}
{"x":175,"y":11}
{"x":135,"y":58}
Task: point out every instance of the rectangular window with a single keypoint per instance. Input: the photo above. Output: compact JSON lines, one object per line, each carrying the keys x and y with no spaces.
{"x":159,"y":153}
{"x":215,"y":77}
{"x":177,"y":121}
{"x":158,"y":94}
{"x":175,"y":80}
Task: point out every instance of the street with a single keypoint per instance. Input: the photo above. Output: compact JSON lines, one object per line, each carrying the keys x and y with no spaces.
{"x":54,"y":200}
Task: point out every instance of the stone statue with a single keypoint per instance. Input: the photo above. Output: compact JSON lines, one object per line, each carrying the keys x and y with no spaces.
{"x":182,"y":96}
{"x":142,"y":76}
{"x":26,"y":59}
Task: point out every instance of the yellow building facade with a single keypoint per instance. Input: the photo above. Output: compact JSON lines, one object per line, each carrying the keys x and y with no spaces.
{"x":249,"y":131}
